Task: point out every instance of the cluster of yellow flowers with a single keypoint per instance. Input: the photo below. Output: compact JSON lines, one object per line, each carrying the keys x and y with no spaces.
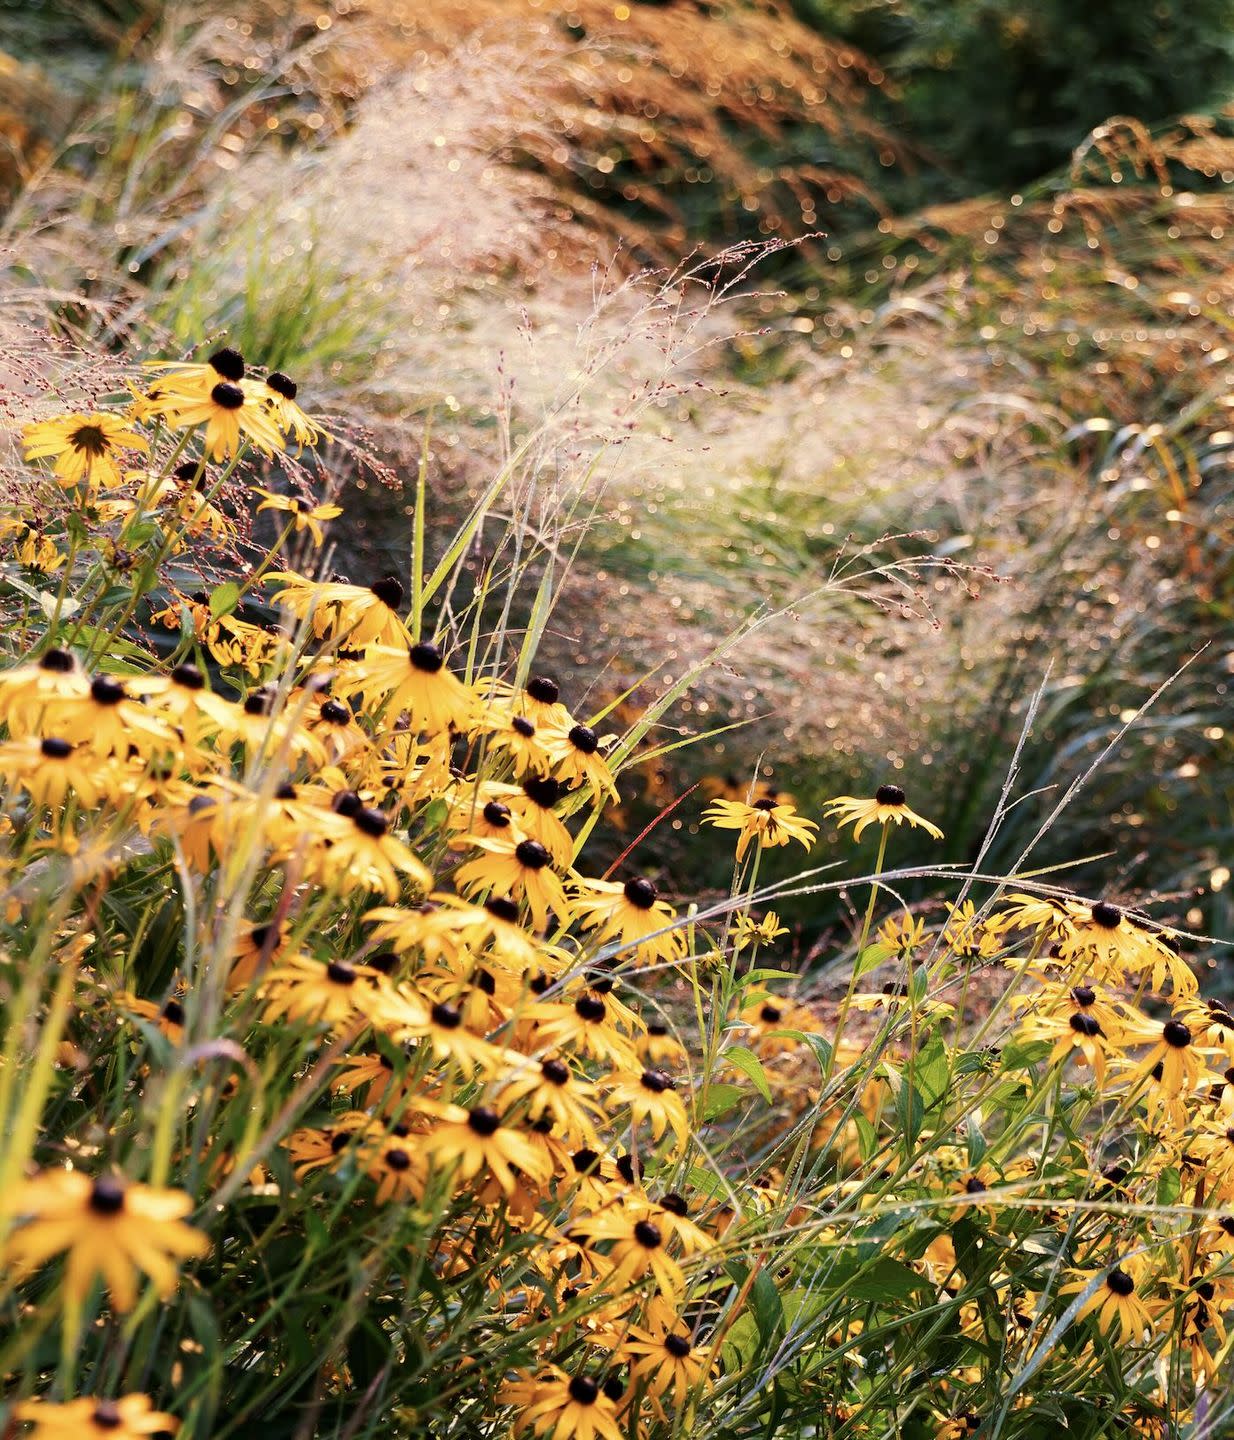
{"x":403,"y":831}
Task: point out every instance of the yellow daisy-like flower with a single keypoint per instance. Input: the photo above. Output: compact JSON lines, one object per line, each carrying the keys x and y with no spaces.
{"x":767,"y":821}
{"x":632,"y":914}
{"x":574,"y":754}
{"x":48,"y":769}
{"x":888,"y":807}
{"x":107,"y":1228}
{"x":638,"y":1249}
{"x":307,"y":516}
{"x":129,"y":1418}
{"x":278,"y":393}
{"x":84,"y":448}
{"x":414,"y":681}
{"x":667,"y":1361}
{"x":475,"y":1140}
{"x":360,"y":614}
{"x":1115,"y":1302}
{"x":564,"y":1408}
{"x":749,"y":931}
{"x":520,"y":869}
{"x":363,"y":855}
{"x":650,"y":1095}
{"x":229,"y":414}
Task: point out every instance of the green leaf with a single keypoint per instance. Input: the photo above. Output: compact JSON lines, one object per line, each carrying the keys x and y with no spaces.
{"x":750,"y":1065}
{"x":872,"y":957}
{"x":720,"y":1099}
{"x":224,"y":599}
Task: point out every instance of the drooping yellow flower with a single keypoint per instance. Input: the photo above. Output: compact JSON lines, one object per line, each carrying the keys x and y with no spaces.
{"x":228,"y":412}
{"x":632,"y":914}
{"x":560,"y":1407}
{"x":888,"y":807}
{"x":278,"y":393}
{"x":85,"y":448}
{"x":414,"y":681}
{"x":521,"y":869}
{"x":49,"y":769}
{"x":1115,"y":1302}
{"x":470,"y":1141}
{"x":361,"y":615}
{"x":130,"y":1418}
{"x":306,"y":515}
{"x":107,"y":1228}
{"x":649,"y":1095}
{"x":766,"y":821}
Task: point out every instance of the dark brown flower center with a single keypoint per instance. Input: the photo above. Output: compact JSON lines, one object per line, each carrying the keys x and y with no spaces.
{"x":640,"y":892}
{"x":889,"y":795}
{"x":648,"y":1235}
{"x":227,"y":397}
{"x":531,"y":855}
{"x":585,"y":739}
{"x":341,"y":973}
{"x":90,"y":439}
{"x":282,"y":385}
{"x":1120,"y":1282}
{"x":426,"y":657}
{"x":583,"y":1390}
{"x":483,"y":1121}
{"x":229,"y":363}
{"x":1107,"y":916}
{"x":1176,"y":1034}
{"x":107,"y":1195}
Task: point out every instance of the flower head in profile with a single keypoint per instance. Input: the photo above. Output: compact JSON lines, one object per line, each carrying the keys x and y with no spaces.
{"x":306,"y":514}
{"x":105,"y":1227}
{"x":83,"y":447}
{"x":278,"y":393}
{"x":888,"y":807}
{"x":768,"y":821}
{"x":129,"y":1418}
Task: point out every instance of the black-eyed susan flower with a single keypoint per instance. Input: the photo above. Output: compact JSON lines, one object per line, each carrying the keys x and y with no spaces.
{"x":631,"y":914}
{"x":302,"y":989}
{"x":1172,"y":1047}
{"x":229,"y":413}
{"x":1110,"y":943}
{"x":363,"y":855}
{"x":109,"y":721}
{"x":278,"y":392}
{"x":85,"y":448}
{"x":305,"y":514}
{"x":49,"y":769}
{"x":534,"y":805}
{"x":555,"y":1088}
{"x":586,"y":1025}
{"x":516,"y":739}
{"x":128,"y":1418}
{"x":196,"y":378}
{"x":414,"y":682}
{"x":396,"y":1163}
{"x":574,"y":754}
{"x":27,"y":690}
{"x":766,"y":821}
{"x":363,"y":615}
{"x":651,"y":1097}
{"x":470,"y":1141}
{"x":668,"y":1361}
{"x":1115,"y":1302}
{"x":106,"y":1227}
{"x":521,"y":869}
{"x":563,"y":1407}
{"x":636,"y":1249}
{"x":441,"y":1027}
{"x":765,"y":930}
{"x":888,"y":807}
